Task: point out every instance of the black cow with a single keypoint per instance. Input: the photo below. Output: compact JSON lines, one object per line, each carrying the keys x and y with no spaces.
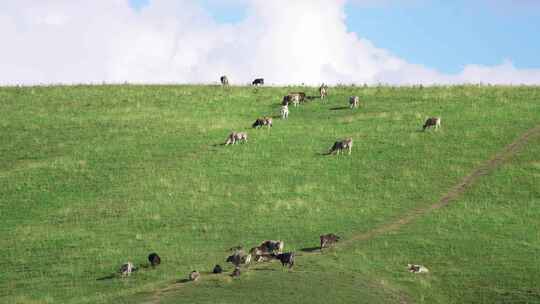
{"x":286,"y":100}
{"x":286,"y":258}
{"x":224,"y":80}
{"x":154,"y":259}
{"x":239,"y":257}
{"x":217,"y":269}
{"x":258,"y":82}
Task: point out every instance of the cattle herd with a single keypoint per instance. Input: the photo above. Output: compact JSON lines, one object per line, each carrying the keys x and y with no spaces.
{"x":296,"y":98}
{"x":266,"y":251}
{"x":271,"y":249}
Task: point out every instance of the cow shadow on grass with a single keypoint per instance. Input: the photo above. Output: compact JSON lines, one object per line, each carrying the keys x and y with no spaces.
{"x":109,"y":277}
{"x":339,"y":108}
{"x":311,"y":249}
{"x":182,"y":281}
{"x":427,"y":131}
{"x":263,"y":269}
{"x":324,"y":153}
{"x":225,"y":145}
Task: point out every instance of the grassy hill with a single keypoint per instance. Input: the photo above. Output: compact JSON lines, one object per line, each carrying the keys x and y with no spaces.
{"x":93,"y":176}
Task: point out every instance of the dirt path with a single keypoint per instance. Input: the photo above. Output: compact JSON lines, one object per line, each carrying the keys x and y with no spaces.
{"x":508,"y":152}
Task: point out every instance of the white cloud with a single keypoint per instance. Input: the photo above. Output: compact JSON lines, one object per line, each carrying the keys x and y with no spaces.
{"x":301,"y":41}
{"x":501,"y":74}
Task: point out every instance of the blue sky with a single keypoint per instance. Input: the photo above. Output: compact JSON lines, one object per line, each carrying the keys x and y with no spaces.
{"x":447,"y":35}
{"x":440,"y":34}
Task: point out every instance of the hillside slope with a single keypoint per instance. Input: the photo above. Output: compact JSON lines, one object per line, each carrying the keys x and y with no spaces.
{"x":93,"y":176}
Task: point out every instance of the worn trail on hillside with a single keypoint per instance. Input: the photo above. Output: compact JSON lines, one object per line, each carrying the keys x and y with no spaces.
{"x":508,"y":152}
{"x":504,"y":155}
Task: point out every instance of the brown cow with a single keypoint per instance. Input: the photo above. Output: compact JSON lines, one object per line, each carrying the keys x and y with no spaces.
{"x":266,"y":250}
{"x":236,"y":272}
{"x":194,"y":275}
{"x":323,"y":91}
{"x":265,"y":121}
{"x":328,"y":240}
{"x":297,"y":97}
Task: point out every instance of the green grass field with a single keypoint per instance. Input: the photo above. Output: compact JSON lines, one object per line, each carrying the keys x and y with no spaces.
{"x":93,"y":176}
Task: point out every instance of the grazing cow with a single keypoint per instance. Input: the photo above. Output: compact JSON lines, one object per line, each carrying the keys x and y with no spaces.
{"x":271,"y":246}
{"x":268,"y":121}
{"x":266,"y":250}
{"x":236,"y":272}
{"x":257,"y":254}
{"x":154,"y":259}
{"x":217,"y":269}
{"x":286,"y":258}
{"x":260,"y":255}
{"x":259,"y":122}
{"x":354,"y":101}
{"x":323,"y":91}
{"x":341,"y":145}
{"x":265,"y":121}
{"x":432,"y":122}
{"x":246,"y":259}
{"x":194,"y":275}
{"x":239,"y":257}
{"x":417,"y":268}
{"x":224,"y":81}
{"x":258,"y":82}
{"x":240,"y":136}
{"x":126,"y":269}
{"x":328,"y":240}
{"x":286,"y":100}
{"x":284,"y":112}
{"x":235,"y":259}
{"x":297,"y":97}
{"x":235,"y":137}
{"x":231,"y":139}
